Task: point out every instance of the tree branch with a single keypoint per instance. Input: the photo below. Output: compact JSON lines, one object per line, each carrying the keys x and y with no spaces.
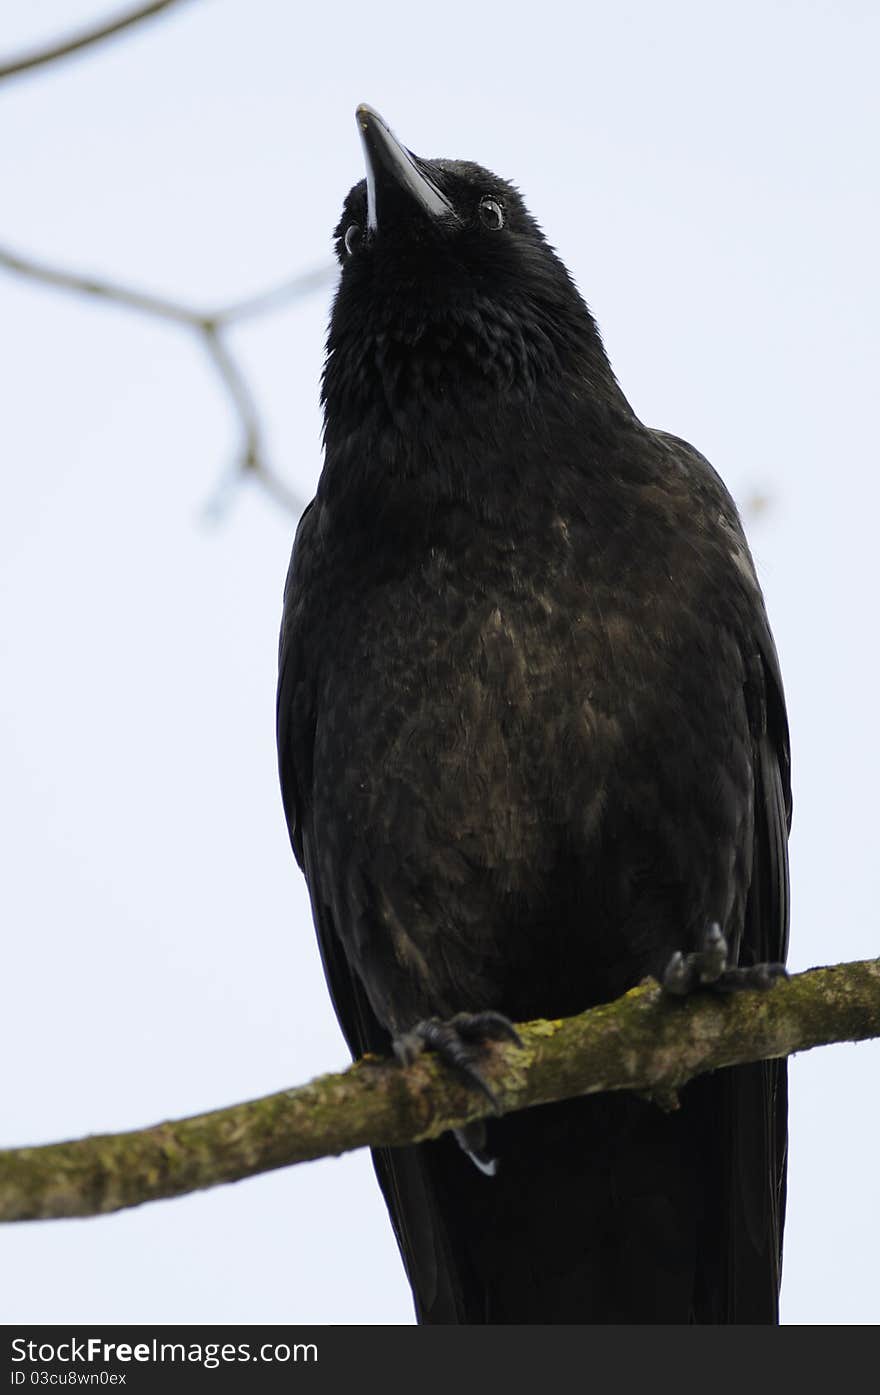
{"x":644,"y":1041}
{"x":63,"y":48}
{"x":209,"y":326}
{"x":81,"y":283}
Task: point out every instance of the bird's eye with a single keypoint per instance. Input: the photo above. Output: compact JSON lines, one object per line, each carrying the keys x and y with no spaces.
{"x":352,"y":238}
{"x":492,"y":213}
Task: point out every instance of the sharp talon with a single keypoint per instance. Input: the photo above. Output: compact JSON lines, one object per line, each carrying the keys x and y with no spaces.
{"x":707,"y":968}
{"x":477,"y":1026}
{"x":712,"y":954}
{"x":459,"y":1043}
{"x":676,"y":979}
{"x":762,"y":976}
{"x":472,"y":1139}
{"x":408,"y":1047}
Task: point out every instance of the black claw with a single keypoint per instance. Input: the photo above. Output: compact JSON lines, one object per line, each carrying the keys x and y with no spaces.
{"x":707,"y":968}
{"x":703,"y":968}
{"x":712,"y":954}
{"x":459,"y":1042}
{"x":458,"y":1051}
{"x":480,"y":1026}
{"x":473,"y":1139}
{"x":408,"y":1047}
{"x":676,"y":978}
{"x":759,"y":976}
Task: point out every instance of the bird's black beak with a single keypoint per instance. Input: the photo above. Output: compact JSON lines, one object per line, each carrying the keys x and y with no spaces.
{"x":396,"y":179}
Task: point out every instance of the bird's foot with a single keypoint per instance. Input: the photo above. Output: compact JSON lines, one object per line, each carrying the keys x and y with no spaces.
{"x":460,"y":1042}
{"x":707,"y":967}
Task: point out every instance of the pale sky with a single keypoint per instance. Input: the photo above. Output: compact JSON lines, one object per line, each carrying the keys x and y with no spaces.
{"x":710,"y":175}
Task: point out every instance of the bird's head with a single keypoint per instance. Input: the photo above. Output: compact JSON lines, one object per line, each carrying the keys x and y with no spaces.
{"x":450,"y":298}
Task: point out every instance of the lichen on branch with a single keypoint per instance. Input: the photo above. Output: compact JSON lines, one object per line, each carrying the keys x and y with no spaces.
{"x":644,"y":1041}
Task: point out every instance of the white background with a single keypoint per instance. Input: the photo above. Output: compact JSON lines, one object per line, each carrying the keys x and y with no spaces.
{"x":709,"y":173}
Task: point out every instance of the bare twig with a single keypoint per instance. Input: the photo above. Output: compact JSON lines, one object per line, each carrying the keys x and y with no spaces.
{"x":209,"y":325}
{"x":644,"y":1041}
{"x":252,"y":443}
{"x":275,"y":297}
{"x":85,"y":38}
{"x":81,"y":283}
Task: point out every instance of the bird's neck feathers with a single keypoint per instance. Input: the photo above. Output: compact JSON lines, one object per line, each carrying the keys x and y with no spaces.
{"x":444,"y":400}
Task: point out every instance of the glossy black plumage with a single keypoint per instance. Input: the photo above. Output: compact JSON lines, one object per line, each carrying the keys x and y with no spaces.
{"x":532,"y":740}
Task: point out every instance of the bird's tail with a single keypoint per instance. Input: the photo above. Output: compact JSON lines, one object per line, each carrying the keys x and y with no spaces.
{"x":603,"y":1210}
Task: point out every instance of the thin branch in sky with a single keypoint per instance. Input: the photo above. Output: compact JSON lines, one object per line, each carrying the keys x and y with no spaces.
{"x":209,"y":326}
{"x":276,"y":296}
{"x":84,"y":38}
{"x":81,"y":283}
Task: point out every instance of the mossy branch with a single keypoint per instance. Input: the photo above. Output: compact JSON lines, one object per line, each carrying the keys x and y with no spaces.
{"x":644,"y":1041}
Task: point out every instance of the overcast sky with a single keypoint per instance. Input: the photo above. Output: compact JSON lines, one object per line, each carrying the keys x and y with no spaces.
{"x":710,"y":175}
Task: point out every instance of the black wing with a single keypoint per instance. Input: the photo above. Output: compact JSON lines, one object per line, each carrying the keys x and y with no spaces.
{"x":754,"y":1100}
{"x":402,"y":1172}
{"x":746,"y":1108}
{"x":295,"y":731}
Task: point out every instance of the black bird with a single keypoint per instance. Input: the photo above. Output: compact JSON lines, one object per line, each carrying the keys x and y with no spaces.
{"x":533,"y":747}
